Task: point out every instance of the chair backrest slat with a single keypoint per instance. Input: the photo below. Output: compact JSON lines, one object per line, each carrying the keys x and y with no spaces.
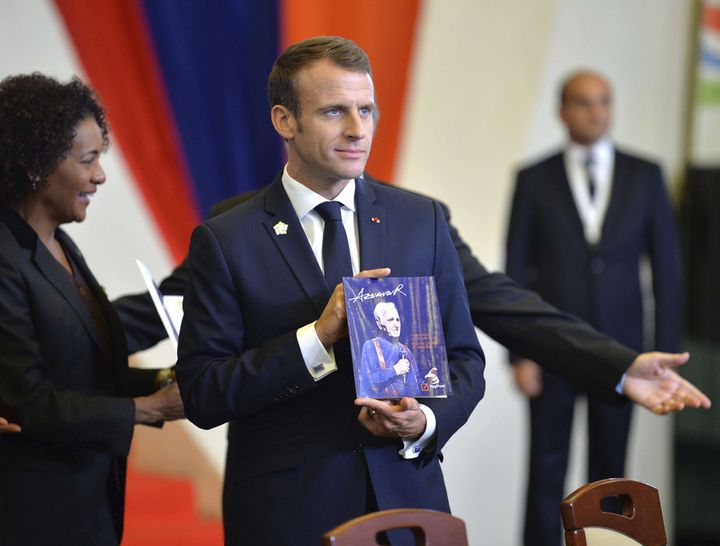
{"x":430,"y":528}
{"x":641,"y":518}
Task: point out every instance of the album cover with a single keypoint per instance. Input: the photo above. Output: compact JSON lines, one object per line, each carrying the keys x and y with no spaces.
{"x":396,"y":337}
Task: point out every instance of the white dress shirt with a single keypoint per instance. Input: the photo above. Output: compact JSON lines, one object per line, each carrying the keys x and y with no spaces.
{"x":591,"y":210}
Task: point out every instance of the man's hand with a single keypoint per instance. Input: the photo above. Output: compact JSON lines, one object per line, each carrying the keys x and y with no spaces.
{"x":431,"y":378}
{"x":651,"y":383}
{"x":402,"y":366}
{"x":332,"y":324}
{"x":392,"y":418}
{"x":528,"y":377}
{"x":8,"y":427}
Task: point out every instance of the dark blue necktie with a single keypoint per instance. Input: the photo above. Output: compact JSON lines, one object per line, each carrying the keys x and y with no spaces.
{"x":335,"y":250}
{"x":589,"y":165}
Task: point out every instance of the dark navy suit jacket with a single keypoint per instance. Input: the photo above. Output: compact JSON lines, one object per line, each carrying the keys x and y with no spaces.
{"x":297,"y":457}
{"x":547,"y":251}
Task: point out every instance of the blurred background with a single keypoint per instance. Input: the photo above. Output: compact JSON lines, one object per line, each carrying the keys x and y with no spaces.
{"x":468,"y":92}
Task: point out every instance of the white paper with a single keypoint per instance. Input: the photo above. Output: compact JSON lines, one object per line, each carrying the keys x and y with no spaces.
{"x":174,"y":306}
{"x":168,"y":307}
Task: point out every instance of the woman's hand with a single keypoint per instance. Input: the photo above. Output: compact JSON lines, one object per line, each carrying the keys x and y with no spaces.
{"x":163,"y":405}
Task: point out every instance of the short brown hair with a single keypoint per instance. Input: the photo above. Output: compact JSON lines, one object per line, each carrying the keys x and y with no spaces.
{"x":281,"y":83}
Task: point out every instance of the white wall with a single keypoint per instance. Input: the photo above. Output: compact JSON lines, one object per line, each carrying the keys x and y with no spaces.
{"x":483,"y":100}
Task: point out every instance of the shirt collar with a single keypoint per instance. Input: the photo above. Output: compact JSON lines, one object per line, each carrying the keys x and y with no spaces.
{"x":602,"y":152}
{"x":303,"y":199}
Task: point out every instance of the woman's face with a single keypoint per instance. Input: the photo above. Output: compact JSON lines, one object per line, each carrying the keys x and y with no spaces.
{"x":74,"y":181}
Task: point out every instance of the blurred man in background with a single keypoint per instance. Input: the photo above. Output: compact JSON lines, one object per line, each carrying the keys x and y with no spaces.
{"x":581,"y":222}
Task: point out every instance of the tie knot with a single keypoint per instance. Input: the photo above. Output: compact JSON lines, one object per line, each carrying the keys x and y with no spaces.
{"x":330,"y":211}
{"x":589,"y":160}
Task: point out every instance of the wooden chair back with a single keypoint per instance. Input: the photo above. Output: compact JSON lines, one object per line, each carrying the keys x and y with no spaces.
{"x":429,"y":527}
{"x":587,"y":524}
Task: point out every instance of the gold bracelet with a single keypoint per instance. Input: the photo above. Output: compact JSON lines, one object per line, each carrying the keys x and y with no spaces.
{"x":164,"y":377}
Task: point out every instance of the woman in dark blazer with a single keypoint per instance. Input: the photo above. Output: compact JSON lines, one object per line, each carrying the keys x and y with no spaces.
{"x":64,"y":378}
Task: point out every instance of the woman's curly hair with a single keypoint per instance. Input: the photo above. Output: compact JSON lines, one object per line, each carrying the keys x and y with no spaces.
{"x":39,"y":117}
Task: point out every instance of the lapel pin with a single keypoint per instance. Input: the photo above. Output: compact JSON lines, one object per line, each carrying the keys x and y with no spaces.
{"x":280,"y":228}
{"x":375,"y":220}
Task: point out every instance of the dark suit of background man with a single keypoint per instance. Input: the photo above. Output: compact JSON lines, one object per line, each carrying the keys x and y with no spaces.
{"x":264,"y":343}
{"x":581,"y":221}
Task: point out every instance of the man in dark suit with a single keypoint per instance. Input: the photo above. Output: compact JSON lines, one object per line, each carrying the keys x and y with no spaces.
{"x":581,"y":222}
{"x":264,"y":343}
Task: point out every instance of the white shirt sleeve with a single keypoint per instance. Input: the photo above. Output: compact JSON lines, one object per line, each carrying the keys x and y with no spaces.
{"x":318,"y":361}
{"x":412,"y":449}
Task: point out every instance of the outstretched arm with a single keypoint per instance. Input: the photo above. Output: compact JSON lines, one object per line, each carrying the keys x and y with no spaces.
{"x":652,"y":383}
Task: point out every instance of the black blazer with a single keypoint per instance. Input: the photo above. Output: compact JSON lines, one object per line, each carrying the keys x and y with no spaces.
{"x":516,"y":317}
{"x":65,"y":391}
{"x":547,"y":251}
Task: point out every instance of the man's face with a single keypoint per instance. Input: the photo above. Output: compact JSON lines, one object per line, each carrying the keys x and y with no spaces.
{"x":330,"y":140}
{"x":389,"y":322}
{"x":587,"y":110}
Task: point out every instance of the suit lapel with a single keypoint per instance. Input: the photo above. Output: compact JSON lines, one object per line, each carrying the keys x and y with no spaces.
{"x":116,"y":336}
{"x":49,"y":268}
{"x":563,"y":195}
{"x":618,"y":197}
{"x":284,"y":229}
{"x":296,"y":251}
{"x":59,"y":278}
{"x":371,"y":223}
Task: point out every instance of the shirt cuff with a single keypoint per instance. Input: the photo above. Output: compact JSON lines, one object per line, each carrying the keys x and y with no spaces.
{"x":318,"y":361}
{"x":411,"y":449}
{"x":621,"y":385}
